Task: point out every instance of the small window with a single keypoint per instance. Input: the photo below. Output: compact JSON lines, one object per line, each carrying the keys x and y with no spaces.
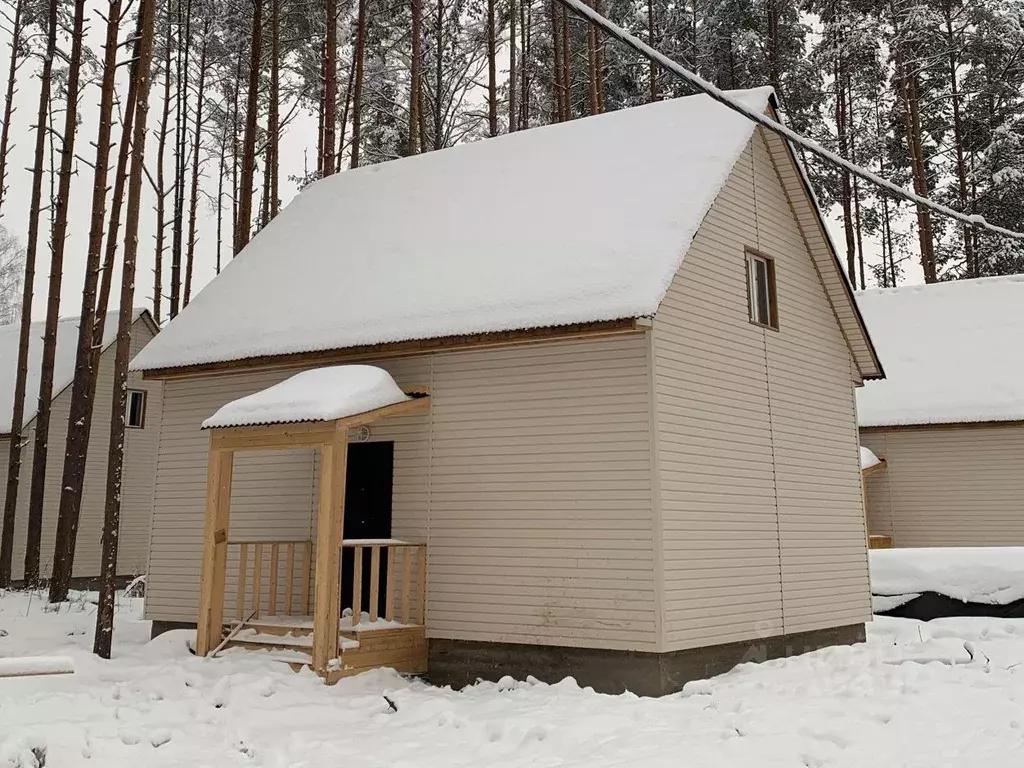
{"x":136,"y":416}
{"x":761,"y":290}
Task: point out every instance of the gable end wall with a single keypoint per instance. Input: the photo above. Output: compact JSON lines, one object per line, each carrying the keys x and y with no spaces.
{"x":761,"y":509}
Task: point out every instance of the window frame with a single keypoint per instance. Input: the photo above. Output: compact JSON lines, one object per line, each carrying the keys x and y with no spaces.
{"x":753,"y":255}
{"x":128,"y":409}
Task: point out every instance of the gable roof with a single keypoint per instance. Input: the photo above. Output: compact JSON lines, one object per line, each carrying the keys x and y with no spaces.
{"x":63,"y":361}
{"x":952,"y":352}
{"x":574,"y":223}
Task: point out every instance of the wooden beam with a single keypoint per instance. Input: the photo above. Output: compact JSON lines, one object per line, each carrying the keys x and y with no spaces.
{"x":375,"y":352}
{"x":404,"y":408}
{"x":220,"y":465}
{"x":874,"y":468}
{"x":330,"y":524}
{"x":270,"y":437}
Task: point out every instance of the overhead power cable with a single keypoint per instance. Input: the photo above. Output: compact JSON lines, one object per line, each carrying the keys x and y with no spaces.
{"x":768,"y":123}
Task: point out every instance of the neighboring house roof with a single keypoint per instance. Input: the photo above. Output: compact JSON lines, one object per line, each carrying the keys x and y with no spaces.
{"x":63,"y":361}
{"x":953,"y":352}
{"x":575,"y":223}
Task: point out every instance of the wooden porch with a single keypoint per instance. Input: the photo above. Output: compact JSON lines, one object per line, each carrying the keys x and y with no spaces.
{"x":291,"y":600}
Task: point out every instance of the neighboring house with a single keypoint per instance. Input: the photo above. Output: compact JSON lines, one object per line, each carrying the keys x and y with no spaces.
{"x":949,"y":418}
{"x":141,"y":438}
{"x":639,"y":460}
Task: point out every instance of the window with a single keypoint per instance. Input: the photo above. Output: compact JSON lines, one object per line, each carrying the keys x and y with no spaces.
{"x":761,"y":290}
{"x":136,"y":415}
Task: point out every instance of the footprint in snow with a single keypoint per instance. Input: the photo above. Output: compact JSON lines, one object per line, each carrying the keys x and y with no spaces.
{"x":129,"y":736}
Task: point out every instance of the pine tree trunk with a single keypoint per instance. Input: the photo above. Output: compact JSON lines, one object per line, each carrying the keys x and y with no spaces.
{"x":273,"y":118}
{"x":220,"y":199}
{"x":912,"y":127}
{"x":438,"y":72}
{"x":556,"y":61}
{"x":116,"y":199}
{"x":83,"y":389}
{"x":12,"y":78}
{"x":115,"y":460}
{"x":21,"y":376}
{"x":330,"y":87}
{"x":60,"y":226}
{"x":344,"y":114}
{"x":415,"y":79}
{"x":566,"y":65}
{"x":243,"y":224}
{"x":525,"y":24}
{"x":592,"y":101}
{"x":513,"y":85}
{"x":161,"y":191}
{"x":193,"y":200}
{"x":181,"y":151}
{"x":357,"y":86}
{"x":492,"y":72}
{"x":599,"y":59}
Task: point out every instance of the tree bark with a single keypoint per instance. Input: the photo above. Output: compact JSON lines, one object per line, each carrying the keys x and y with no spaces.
{"x":330,"y":87}
{"x":438,"y":71}
{"x":653,"y":71}
{"x":492,"y":72}
{"x":243,"y":223}
{"x":161,"y":192}
{"x":912,"y":126}
{"x":525,"y":23}
{"x":273,"y":117}
{"x":566,"y":65}
{"x":592,"y":101}
{"x":197,"y":145}
{"x":60,"y":226}
{"x":416,"y":78}
{"x":83,"y":389}
{"x":357,"y":86}
{"x":970,"y":263}
{"x":12,"y":79}
{"x":115,"y":461}
{"x":180,"y":152}
{"x":512,"y":67}
{"x":557,"y":87}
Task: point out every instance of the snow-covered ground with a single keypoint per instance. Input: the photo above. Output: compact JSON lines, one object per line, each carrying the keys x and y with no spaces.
{"x":947,"y":693}
{"x":992,"y":575}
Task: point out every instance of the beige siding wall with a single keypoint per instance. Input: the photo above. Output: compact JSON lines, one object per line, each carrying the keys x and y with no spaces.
{"x":948,"y":487}
{"x":140,"y":460}
{"x":760,"y":496}
{"x":530,"y":479}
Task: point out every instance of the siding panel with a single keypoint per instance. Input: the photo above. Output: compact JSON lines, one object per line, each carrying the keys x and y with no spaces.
{"x":949,"y":487}
{"x":757,"y":447}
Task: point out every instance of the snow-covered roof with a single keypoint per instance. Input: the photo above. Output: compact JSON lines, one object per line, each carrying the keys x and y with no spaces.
{"x":952,"y":351}
{"x":322,"y":394}
{"x":868,"y":459}
{"x":571,"y":223}
{"x":63,"y":362}
{"x":992,"y":575}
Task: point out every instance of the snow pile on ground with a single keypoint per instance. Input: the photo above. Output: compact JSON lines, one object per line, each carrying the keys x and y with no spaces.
{"x":322,"y":394}
{"x":951,"y":352}
{"x":992,"y":575}
{"x":868,"y":459}
{"x":359,"y":272}
{"x":946,"y":693}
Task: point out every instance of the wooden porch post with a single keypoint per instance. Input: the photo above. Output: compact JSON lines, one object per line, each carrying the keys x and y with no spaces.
{"x":215,"y":538}
{"x":330,"y":524}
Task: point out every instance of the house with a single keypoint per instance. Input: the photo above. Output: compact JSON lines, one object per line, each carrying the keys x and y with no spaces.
{"x":949,"y":418}
{"x":630,"y":453}
{"x":141,"y":437}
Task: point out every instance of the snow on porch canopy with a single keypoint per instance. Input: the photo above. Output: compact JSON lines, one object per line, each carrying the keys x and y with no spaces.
{"x":322,"y":394}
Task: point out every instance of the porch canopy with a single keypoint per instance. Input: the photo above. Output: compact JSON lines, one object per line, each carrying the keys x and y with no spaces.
{"x":313,"y":409}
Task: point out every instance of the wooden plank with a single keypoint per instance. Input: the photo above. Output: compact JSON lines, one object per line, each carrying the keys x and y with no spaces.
{"x":307,"y":568}
{"x":215,"y":535}
{"x":880,"y":542}
{"x":407,"y":553}
{"x":272,"y":437}
{"x":374,"y":581}
{"x":389,"y":591}
{"x":357,"y":586}
{"x":421,"y":553}
{"x":272,"y":592}
{"x":330,"y":524}
{"x":257,"y":579}
{"x":290,"y":580}
{"x":243,"y":567}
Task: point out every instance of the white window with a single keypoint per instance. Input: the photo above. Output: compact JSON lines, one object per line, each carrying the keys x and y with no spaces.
{"x":136,"y":409}
{"x":761,"y":290}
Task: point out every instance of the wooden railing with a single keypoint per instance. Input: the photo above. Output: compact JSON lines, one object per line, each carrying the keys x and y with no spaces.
{"x":374,"y":566}
{"x":290,"y":564}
